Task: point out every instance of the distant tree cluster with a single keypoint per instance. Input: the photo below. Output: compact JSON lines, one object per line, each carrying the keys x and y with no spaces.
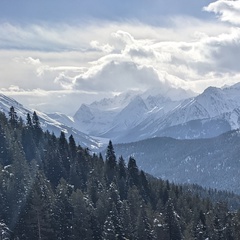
{"x":52,"y":188}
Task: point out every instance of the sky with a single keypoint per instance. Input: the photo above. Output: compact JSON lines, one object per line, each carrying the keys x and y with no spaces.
{"x":56,"y":55}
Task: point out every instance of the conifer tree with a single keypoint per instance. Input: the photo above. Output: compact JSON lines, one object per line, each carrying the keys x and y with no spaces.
{"x":53,"y":166}
{"x":72,"y":146}
{"x":110,"y":156}
{"x":144,"y":230}
{"x":28,"y":143}
{"x":111,"y":162}
{"x":133,"y":172}
{"x":13,"y":118}
{"x":63,"y":212}
{"x":127,"y":223}
{"x":172,"y":221}
{"x":38,"y":209}
{"x":122,"y":168}
{"x":117,"y":223}
{"x":37,"y":133}
{"x":35,"y":121}
{"x":63,"y":149}
{"x":81,"y":218}
{"x":29,"y":121}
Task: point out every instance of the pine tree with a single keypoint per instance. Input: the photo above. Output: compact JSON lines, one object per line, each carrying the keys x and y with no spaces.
{"x":81,"y":218}
{"x":28,"y":143}
{"x":63,"y":212}
{"x":145,"y":188}
{"x":117,"y":223}
{"x":29,"y":121}
{"x":111,"y":162}
{"x":72,"y":146}
{"x":13,"y":118}
{"x":37,"y":133}
{"x":122,"y":168}
{"x":38,"y":209}
{"x":63,"y":149}
{"x":134,"y":202}
{"x":35,"y":121}
{"x":133,"y":172}
{"x":52,"y":161}
{"x":144,"y":229}
{"x":172,"y":221}
{"x":110,"y":156}
{"x":127,"y":223}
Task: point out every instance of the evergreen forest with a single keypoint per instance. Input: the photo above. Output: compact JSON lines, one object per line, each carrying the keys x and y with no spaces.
{"x":52,"y":188}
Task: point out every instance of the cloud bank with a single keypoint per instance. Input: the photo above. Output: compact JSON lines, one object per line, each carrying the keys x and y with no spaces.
{"x":92,"y":60}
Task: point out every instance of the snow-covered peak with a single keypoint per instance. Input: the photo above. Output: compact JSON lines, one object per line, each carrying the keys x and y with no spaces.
{"x":135,"y":106}
{"x":175,"y":94}
{"x":235,"y":86}
{"x":84,"y":113}
{"x":131,"y":115}
{"x":116,"y":102}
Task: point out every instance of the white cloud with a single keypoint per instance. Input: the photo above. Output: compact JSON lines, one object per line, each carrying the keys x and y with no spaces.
{"x":102,"y":58}
{"x":226,"y":10}
{"x":117,"y":77}
{"x":105,"y":48}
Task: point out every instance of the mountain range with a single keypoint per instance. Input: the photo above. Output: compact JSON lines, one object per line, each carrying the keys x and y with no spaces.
{"x":49,"y":123}
{"x":135,"y":116}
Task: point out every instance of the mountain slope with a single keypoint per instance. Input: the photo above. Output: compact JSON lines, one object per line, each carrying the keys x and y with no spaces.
{"x":213,"y":162}
{"x":97,"y":118}
{"x":48,"y":123}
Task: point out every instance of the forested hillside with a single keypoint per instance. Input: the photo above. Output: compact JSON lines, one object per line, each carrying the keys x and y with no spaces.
{"x":212,"y":162}
{"x":52,"y":188}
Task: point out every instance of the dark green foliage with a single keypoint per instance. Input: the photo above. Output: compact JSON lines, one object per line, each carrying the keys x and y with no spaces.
{"x":13,"y":118}
{"x":110,"y":156}
{"x":172,"y":221}
{"x":35,"y":121}
{"x":53,"y":189}
{"x":133,"y":172}
{"x":111,"y":163}
{"x":29,"y":121}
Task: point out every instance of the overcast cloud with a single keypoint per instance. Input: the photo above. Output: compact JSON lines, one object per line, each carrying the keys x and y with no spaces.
{"x":54,"y":65}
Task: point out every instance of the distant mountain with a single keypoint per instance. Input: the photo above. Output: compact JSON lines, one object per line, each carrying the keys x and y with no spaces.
{"x":115,"y":117}
{"x":136,"y":116}
{"x":97,"y":118}
{"x":213,"y":162}
{"x":52,"y":122}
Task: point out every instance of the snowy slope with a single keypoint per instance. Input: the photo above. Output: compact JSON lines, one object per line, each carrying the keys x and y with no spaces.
{"x":123,"y":112}
{"x":115,"y":117}
{"x":48,"y":123}
{"x":157,"y":113}
{"x":211,"y":113}
{"x":97,"y":118}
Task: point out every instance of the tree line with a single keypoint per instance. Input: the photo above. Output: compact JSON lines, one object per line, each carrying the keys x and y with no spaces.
{"x":52,"y":188}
